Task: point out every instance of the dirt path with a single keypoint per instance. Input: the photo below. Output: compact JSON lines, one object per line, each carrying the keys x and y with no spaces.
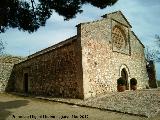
{"x":20,"y":108}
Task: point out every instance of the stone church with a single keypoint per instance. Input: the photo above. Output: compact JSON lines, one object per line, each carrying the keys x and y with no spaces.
{"x":85,"y":65}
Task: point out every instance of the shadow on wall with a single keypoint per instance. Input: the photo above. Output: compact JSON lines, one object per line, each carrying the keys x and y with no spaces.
{"x":6,"y":106}
{"x":10,"y":85}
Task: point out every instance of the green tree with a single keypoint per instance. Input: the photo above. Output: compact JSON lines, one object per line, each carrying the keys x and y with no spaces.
{"x":29,"y":15}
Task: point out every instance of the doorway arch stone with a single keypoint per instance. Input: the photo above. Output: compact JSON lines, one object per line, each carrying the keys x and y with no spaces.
{"x":125,"y":74}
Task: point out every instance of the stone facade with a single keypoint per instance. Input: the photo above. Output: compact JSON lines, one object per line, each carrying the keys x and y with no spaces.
{"x":103,"y":62}
{"x":87,"y":64}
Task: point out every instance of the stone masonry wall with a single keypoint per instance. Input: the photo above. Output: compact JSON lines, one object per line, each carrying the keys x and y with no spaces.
{"x":6,"y":64}
{"x":57,"y":72}
{"x":5,"y":71}
{"x":138,"y":62}
{"x":101,"y":66}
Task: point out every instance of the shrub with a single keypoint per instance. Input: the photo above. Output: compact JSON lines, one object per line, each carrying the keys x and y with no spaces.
{"x":121,"y":81}
{"x":133,"y":81}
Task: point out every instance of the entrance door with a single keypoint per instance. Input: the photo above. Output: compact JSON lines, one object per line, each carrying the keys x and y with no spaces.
{"x":124,"y":75}
{"x":26,"y":82}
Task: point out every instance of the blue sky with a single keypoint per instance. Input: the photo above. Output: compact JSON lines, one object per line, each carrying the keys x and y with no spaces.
{"x":143,"y":15}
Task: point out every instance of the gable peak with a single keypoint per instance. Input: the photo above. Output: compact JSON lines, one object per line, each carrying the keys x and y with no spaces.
{"x":114,"y":15}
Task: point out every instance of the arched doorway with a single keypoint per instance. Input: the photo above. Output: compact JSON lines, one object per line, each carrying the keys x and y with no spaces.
{"x":124,"y":75}
{"x":26,"y":83}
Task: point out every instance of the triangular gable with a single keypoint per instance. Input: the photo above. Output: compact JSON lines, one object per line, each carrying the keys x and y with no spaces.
{"x":118,"y":16}
{"x":137,"y":38}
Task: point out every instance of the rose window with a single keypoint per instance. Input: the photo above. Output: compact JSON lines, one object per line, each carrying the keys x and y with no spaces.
{"x":118,"y":37}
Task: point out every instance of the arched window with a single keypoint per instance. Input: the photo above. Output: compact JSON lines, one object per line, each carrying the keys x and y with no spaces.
{"x":118,"y":37}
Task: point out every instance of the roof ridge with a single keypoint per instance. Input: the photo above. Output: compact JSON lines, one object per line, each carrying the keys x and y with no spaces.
{"x":59,"y":44}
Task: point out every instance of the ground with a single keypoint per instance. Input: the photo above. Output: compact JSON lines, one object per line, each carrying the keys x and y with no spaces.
{"x":12,"y":107}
